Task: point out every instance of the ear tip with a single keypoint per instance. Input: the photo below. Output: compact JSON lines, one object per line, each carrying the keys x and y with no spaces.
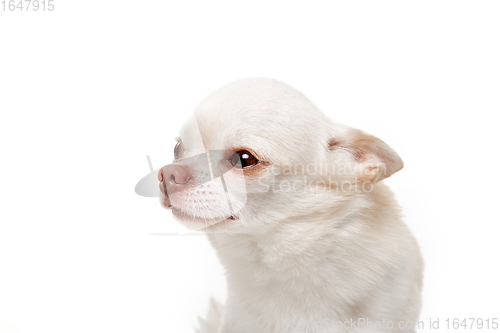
{"x":397,"y":165}
{"x":400,"y":165}
{"x":398,"y":162}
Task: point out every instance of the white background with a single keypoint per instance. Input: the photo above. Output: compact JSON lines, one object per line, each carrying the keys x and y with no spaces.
{"x":86,"y":91}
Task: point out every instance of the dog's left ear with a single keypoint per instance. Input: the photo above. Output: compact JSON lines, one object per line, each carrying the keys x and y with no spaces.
{"x":375,"y":160}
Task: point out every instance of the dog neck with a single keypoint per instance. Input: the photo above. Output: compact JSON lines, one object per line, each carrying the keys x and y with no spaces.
{"x":297,"y":246}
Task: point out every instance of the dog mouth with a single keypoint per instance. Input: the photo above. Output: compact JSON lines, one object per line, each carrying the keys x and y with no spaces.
{"x":186,"y":217}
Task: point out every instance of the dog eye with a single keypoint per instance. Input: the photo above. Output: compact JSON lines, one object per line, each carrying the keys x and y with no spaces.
{"x":247,"y":159}
{"x":177,"y":150}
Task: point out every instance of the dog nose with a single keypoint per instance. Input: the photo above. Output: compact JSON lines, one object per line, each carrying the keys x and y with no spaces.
{"x":173,"y":177}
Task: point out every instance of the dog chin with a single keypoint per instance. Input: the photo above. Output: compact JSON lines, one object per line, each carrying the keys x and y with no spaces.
{"x":197,"y":222}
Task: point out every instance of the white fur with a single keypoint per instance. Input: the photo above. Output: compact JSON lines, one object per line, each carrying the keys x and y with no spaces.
{"x":323,"y":250}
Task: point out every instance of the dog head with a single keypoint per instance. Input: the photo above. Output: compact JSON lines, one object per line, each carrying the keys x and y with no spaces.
{"x":257,"y":152}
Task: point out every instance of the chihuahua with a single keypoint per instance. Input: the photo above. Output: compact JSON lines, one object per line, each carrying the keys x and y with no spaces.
{"x":294,"y":205}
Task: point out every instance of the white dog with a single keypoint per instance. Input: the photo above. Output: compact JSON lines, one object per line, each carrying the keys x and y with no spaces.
{"x":293,"y":203}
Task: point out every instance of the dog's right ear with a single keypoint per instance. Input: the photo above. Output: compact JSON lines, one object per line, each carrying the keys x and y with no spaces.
{"x":374,"y":159}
